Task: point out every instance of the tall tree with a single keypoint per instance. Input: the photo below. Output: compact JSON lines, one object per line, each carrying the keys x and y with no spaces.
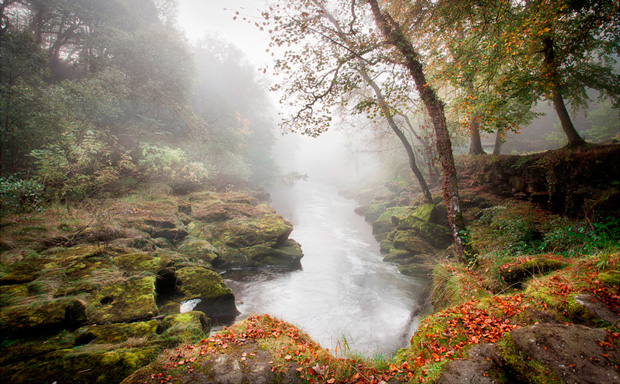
{"x":394,"y":35}
{"x":335,"y":66}
{"x":561,"y":48}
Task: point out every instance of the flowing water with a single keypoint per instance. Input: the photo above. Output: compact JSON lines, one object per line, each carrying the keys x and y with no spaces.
{"x":345,"y":296}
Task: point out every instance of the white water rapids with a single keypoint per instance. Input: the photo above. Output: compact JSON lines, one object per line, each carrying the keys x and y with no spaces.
{"x":345,"y":291}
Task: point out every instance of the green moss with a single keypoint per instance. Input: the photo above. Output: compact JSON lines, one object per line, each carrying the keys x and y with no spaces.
{"x":138,"y":262}
{"x":198,"y":248}
{"x":116,"y":333}
{"x":386,"y":221}
{"x":515,"y":275}
{"x":81,"y":365}
{"x":522,"y":368}
{"x":128,"y":301}
{"x":610,"y":279}
{"x":375,"y":210}
{"x":184,"y":327}
{"x":47,"y":316}
{"x":201,"y":283}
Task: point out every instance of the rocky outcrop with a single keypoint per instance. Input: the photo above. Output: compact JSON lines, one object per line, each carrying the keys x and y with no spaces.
{"x":410,"y":236}
{"x":541,"y":354}
{"x":96,"y":305}
{"x":565,"y":181}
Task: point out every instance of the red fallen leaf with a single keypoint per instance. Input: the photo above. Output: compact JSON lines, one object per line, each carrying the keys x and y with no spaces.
{"x":331,"y":381}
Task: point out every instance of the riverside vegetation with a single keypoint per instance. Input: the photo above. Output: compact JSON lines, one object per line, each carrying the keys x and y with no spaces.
{"x":93,"y":292}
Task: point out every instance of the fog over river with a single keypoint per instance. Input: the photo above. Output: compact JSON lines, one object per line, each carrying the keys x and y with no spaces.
{"x":345,"y":290}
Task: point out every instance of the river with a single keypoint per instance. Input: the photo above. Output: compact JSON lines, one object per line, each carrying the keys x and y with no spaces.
{"x":345,"y":297}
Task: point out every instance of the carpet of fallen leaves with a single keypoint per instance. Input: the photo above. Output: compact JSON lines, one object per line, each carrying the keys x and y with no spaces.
{"x":444,"y":335}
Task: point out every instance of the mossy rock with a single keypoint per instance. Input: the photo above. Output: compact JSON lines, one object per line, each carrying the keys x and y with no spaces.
{"x":198,"y":249}
{"x":45,"y":317}
{"x":188,"y":325}
{"x":127,"y":301}
{"x":515,"y":275}
{"x":239,"y":233}
{"x":555,"y":353}
{"x":385,"y":246}
{"x":412,"y":242}
{"x":438,"y":235}
{"x":140,"y":262}
{"x":285,"y":255}
{"x":611,"y":279}
{"x":375,"y":210}
{"x":24,"y":271}
{"x":386,"y":222}
{"x":415,"y":269}
{"x":403,"y":256}
{"x":116,"y":333}
{"x":201,"y":283}
{"x":81,"y":365}
{"x":216,"y":300}
{"x":9,"y":294}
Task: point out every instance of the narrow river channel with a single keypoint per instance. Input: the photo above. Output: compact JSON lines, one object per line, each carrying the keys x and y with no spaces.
{"x":345,"y":295}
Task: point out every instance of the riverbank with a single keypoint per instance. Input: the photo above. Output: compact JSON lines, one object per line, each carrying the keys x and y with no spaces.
{"x":93,"y":291}
{"x":539,"y":302}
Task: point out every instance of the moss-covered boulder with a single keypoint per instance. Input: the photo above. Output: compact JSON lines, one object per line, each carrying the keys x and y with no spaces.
{"x":86,"y":364}
{"x":115,"y":333}
{"x":516,"y":272}
{"x":198,"y":249}
{"x":48,"y":316}
{"x":184,"y":326}
{"x":386,"y":221}
{"x":375,"y":210}
{"x":412,"y":242}
{"x":208,"y":289}
{"x":559,"y":353}
{"x":126,"y":301}
{"x":240,"y":233}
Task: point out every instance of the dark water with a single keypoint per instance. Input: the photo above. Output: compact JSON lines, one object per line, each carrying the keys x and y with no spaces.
{"x":345,"y":291}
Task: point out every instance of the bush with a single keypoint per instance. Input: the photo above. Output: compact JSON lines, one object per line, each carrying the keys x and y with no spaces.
{"x":80,"y":165}
{"x":170,"y":166}
{"x":20,"y":195}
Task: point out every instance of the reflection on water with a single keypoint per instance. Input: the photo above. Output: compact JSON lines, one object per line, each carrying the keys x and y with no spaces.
{"x":345,"y":290}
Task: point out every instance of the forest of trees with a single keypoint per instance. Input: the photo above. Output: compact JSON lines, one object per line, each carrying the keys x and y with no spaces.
{"x":97,"y":96}
{"x":469,"y":66}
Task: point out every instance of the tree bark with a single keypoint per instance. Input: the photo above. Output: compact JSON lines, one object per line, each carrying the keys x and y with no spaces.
{"x":394,"y":36}
{"x":497,"y":149}
{"x":475,"y":144}
{"x":574,"y":140}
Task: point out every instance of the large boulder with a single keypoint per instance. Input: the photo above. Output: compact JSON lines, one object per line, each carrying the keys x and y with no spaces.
{"x":47,"y":316}
{"x":126,"y":301}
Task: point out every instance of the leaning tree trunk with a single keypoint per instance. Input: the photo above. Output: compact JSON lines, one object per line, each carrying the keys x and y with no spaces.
{"x":401,"y":136}
{"x":475,"y":144}
{"x":574,"y":140}
{"x":394,"y":36}
{"x":385,"y":109}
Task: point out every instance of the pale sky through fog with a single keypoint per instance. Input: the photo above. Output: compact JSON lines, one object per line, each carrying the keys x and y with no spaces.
{"x":199,"y":17}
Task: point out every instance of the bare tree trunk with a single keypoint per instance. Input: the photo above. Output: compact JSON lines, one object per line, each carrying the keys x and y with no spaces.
{"x":394,"y":36}
{"x":497,"y":149}
{"x":401,"y":136}
{"x":574,"y":140}
{"x":475,"y":144}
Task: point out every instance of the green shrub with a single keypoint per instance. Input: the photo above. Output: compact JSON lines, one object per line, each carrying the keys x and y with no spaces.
{"x":583,"y":237}
{"x":80,"y":165}
{"x":20,"y":195}
{"x":170,"y":165}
